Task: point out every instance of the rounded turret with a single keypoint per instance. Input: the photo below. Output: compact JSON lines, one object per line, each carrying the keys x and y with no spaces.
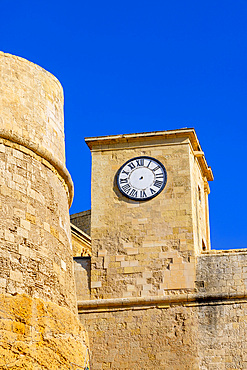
{"x":36,"y":191}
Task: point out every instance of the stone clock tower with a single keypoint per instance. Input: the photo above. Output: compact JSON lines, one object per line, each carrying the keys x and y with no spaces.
{"x":149,"y":213}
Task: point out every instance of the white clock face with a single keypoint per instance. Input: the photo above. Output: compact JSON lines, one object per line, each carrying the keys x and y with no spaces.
{"x":141,"y":178}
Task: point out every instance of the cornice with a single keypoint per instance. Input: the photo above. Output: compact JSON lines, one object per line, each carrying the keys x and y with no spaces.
{"x":112,"y":141}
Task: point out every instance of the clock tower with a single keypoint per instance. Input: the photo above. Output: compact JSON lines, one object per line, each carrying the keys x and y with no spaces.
{"x":149,"y":213}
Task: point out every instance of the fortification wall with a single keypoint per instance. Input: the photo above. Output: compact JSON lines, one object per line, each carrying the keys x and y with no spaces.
{"x":223,"y":321}
{"x":209,"y":336}
{"x":205,"y":330}
{"x":222,"y":271}
{"x":36,"y":191}
{"x":142,"y":337}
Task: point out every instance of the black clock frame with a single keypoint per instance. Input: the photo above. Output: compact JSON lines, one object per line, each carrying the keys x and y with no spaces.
{"x":151,"y":196}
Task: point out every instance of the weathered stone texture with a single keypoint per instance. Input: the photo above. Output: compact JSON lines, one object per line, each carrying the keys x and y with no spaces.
{"x":31,"y":103}
{"x":143,"y":339}
{"x":222,"y":272}
{"x":222,"y":332}
{"x":82,"y":268}
{"x":207,"y":335}
{"x":204,"y":332}
{"x":200,"y":213}
{"x":36,"y":256}
{"x":40,"y":335}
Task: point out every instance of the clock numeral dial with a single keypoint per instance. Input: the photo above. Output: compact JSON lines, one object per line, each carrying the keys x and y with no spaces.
{"x":126,"y":188}
{"x":158,"y":183}
{"x":159,"y":176}
{"x":123,"y":181}
{"x":140,"y":162}
{"x":143,"y":194}
{"x":133,"y":193}
{"x":141,"y":178}
{"x":156,"y":168}
{"x":131,"y":165}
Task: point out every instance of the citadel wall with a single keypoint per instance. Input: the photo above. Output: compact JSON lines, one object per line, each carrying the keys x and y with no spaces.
{"x":204,"y":330}
{"x":38,"y":313}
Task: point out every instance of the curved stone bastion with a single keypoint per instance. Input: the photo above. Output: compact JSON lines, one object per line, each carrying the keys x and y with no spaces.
{"x":39,"y":328}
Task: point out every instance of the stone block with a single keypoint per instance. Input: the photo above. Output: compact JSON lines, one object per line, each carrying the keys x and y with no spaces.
{"x":16,"y":276}
{"x":96,"y":284}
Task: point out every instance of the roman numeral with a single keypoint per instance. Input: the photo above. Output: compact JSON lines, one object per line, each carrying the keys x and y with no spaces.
{"x":131,"y":165}
{"x":126,"y":188}
{"x":123,"y":181}
{"x":158,"y":183}
{"x":149,"y":164}
{"x":143,"y":194}
{"x":156,"y":168}
{"x":159,"y":176}
{"x":126,"y":173}
{"x":152,"y":191}
{"x":140,"y":162}
{"x":133,"y":193}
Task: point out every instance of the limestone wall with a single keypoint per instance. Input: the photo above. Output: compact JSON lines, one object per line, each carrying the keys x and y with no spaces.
{"x":222,"y":335}
{"x":82,"y":268}
{"x":81,"y":242}
{"x":143,"y":338}
{"x":205,"y":330}
{"x":222,"y":271}
{"x":40,"y":335}
{"x":36,"y":265}
{"x":207,"y":335}
{"x":36,"y":256}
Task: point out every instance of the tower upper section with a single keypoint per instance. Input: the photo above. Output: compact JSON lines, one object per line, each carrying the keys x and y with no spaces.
{"x":31,"y":105}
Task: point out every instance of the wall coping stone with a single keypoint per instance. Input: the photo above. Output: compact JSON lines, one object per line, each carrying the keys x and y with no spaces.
{"x":157,"y":301}
{"x":223,"y":252}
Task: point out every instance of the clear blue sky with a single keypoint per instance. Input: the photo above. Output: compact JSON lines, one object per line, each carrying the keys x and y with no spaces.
{"x":135,"y":66}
